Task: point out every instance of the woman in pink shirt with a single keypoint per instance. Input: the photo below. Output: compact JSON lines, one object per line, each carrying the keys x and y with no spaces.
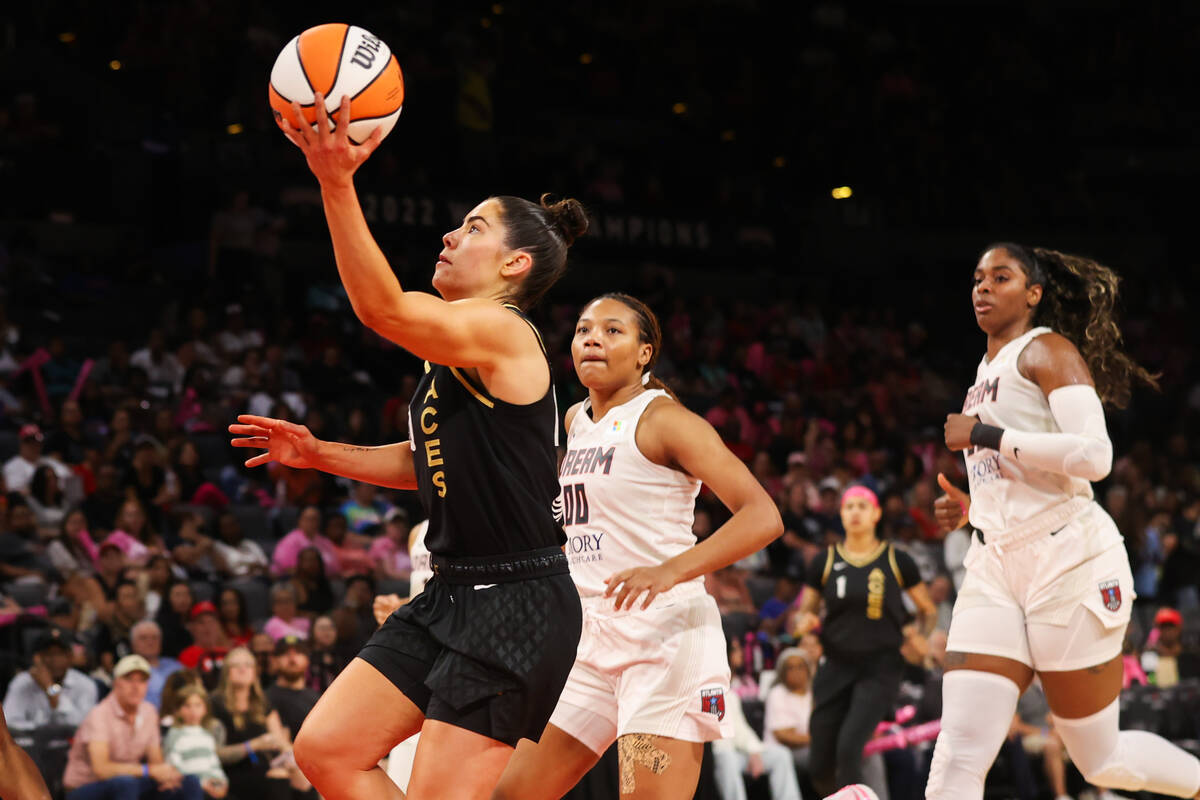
{"x":287,"y":619}
{"x":306,"y":534}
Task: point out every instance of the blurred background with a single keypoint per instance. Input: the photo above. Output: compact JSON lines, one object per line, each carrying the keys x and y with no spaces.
{"x":799,"y":190}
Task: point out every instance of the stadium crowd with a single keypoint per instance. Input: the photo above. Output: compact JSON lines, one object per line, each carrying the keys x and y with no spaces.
{"x":137,"y":321}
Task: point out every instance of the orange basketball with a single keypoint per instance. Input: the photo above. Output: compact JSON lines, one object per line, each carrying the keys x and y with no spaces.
{"x":336,"y":60}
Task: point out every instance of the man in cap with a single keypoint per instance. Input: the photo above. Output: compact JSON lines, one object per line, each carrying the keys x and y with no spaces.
{"x":290,"y":694}
{"x":210,"y":644}
{"x":18,"y":470}
{"x":146,"y":639}
{"x":117,"y":752}
{"x":50,"y":692}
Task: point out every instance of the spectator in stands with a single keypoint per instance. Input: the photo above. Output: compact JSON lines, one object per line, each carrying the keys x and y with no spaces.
{"x":19,"y":470}
{"x":211,"y":643}
{"x":312,"y":586}
{"x":118,"y":448}
{"x":742,"y":680}
{"x":50,"y":692}
{"x":1165,"y":645}
{"x":231,"y":606}
{"x":162,"y":368}
{"x":190,"y":747}
{"x":194,"y":549}
{"x":728,"y":587}
{"x":1033,"y":734}
{"x":72,"y":551}
{"x":789,"y":705}
{"x":154,"y":583}
{"x":176,"y":682}
{"x":234,"y":555}
{"x":252,"y":734}
{"x":745,"y":753}
{"x":113,"y":640}
{"x":326,"y":660}
{"x":189,"y":482}
{"x":263,"y":648}
{"x":104,"y":503}
{"x":117,"y":752}
{"x":172,"y":618}
{"x":365,"y":510}
{"x":306,"y":534}
{"x":349,"y":548}
{"x":286,"y":619}
{"x":20,"y":562}
{"x":46,"y":498}
{"x":389,"y":552}
{"x":290,"y":694}
{"x":70,"y":442}
{"x":354,"y":618}
{"x":134,"y":534}
{"x":146,"y":639}
{"x":146,"y":480}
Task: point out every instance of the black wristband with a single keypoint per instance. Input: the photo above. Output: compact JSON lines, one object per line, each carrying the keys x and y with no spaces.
{"x":986,"y":436}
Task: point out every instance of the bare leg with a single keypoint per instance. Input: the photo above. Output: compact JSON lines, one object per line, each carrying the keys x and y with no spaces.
{"x":546,"y":770}
{"x":357,"y":721}
{"x":455,"y":764}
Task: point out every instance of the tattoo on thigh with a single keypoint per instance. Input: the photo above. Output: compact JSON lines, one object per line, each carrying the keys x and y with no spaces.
{"x":639,"y":748}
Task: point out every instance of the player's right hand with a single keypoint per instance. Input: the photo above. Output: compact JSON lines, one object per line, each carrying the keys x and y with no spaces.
{"x":805,"y":623}
{"x":951,"y":508}
{"x":286,"y":442}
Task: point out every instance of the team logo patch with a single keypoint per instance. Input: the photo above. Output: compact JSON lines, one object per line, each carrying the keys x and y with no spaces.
{"x":1110,"y":593}
{"x":617,"y":425}
{"x":712,"y":701}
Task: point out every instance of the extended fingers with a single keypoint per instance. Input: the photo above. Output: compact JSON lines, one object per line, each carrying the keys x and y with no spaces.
{"x":300,"y":132}
{"x":248,"y":430}
{"x":260,"y":442}
{"x":259,"y":460}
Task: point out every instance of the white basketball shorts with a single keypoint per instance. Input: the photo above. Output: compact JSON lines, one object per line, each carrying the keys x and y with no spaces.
{"x":1055,"y":600}
{"x":663,"y":671}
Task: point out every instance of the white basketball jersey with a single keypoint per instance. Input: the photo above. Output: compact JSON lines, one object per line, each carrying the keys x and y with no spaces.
{"x":1005,"y":492}
{"x":619,"y":509}
{"x":422,"y":571}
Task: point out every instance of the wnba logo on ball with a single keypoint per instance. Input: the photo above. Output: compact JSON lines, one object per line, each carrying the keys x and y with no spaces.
{"x":364,"y":54}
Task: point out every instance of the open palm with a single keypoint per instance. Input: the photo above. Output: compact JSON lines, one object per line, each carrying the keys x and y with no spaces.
{"x":286,"y":442}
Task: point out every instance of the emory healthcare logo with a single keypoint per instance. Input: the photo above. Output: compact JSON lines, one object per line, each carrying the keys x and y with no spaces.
{"x":712,"y":701}
{"x":1110,"y":593}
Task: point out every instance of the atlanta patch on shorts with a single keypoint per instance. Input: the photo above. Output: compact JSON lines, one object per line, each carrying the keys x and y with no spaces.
{"x":712,"y":701}
{"x":1110,"y":594}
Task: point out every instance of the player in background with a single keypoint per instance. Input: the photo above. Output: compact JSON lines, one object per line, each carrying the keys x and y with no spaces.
{"x":861,"y":583}
{"x":1048,"y":586}
{"x":652,"y":671}
{"x":476,"y":661}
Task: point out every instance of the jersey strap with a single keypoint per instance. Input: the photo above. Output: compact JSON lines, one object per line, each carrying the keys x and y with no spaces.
{"x":828,"y":566}
{"x":895,"y":566}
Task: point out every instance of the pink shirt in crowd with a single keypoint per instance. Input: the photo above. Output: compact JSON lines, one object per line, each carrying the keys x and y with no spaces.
{"x":384,"y":549}
{"x":129,"y":738}
{"x":277,"y":628}
{"x":283,"y":560}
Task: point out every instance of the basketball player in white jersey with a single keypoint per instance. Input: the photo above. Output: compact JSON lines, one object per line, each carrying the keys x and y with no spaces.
{"x":651,"y":671}
{"x":400,"y":760}
{"x":1048,"y":586}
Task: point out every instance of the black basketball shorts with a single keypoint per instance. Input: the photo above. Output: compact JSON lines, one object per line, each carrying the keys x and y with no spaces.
{"x":488,"y":645}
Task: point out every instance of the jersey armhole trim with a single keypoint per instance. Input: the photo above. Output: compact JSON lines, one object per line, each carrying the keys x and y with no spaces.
{"x":471,"y":388}
{"x":828,"y":566}
{"x":895,"y":566}
{"x":532,"y":327}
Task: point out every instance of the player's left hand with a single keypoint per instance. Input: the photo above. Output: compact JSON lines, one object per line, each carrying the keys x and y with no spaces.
{"x":958,"y":430}
{"x":331,"y":156}
{"x":630,"y":583}
{"x":384,"y":605}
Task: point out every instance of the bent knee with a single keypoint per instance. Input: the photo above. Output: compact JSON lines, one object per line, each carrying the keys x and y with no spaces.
{"x":315,"y":753}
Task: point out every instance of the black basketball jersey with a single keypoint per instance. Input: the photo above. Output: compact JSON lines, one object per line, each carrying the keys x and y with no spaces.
{"x":864,"y":607}
{"x":487,"y":471}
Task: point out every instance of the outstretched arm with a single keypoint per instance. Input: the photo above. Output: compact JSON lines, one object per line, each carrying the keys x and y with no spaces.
{"x":293,"y":445}
{"x":464,"y":333}
{"x":670,"y":434}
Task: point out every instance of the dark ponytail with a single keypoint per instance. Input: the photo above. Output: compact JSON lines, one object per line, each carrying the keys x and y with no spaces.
{"x":545,"y":231}
{"x":1079,"y":301}
{"x":649,"y":332}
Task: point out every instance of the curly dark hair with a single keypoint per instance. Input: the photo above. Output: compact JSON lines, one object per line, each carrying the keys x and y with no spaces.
{"x":1079,"y":299}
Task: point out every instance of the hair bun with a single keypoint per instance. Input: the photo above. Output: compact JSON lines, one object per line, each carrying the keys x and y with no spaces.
{"x":567,"y":216}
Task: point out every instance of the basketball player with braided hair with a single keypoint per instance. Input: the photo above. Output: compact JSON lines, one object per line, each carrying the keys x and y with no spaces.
{"x":651,"y":672}
{"x":475,"y":662}
{"x":1048,"y":587}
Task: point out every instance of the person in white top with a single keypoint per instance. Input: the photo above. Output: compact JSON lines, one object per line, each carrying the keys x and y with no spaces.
{"x":651,"y":671}
{"x":1048,"y":586}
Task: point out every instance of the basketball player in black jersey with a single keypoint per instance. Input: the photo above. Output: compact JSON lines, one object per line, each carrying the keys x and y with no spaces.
{"x":860,"y":582}
{"x":477,"y":660}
